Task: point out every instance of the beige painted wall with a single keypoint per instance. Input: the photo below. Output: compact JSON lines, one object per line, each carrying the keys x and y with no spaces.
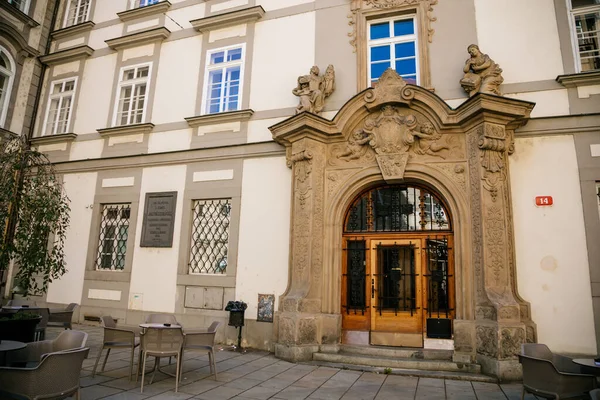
{"x":154,"y":270}
{"x":80,"y":189}
{"x":270,"y":5}
{"x":263,"y":252}
{"x":552,"y":263}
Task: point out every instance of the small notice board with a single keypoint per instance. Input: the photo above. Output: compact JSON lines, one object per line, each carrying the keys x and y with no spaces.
{"x":159,"y":219}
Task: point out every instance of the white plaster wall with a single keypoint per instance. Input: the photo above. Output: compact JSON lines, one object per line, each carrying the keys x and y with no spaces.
{"x":98,"y":36}
{"x":94,"y":104}
{"x":80,"y":188}
{"x":552,"y":264}
{"x":183,"y":16}
{"x":177,"y":82}
{"x":284,"y":48}
{"x":154,"y":270}
{"x":269,"y":5}
{"x":258,"y":130}
{"x":521,"y":36}
{"x":547,"y":103}
{"x":264,"y":221}
{"x":107,"y":10}
{"x":169,"y":141}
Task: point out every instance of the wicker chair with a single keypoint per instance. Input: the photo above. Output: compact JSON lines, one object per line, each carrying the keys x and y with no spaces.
{"x":116,"y":338}
{"x":62,"y":318}
{"x":595,"y":394}
{"x":552,"y":376}
{"x":40,"y":329}
{"x":56,"y":377}
{"x":161,"y":319}
{"x":161,"y":342}
{"x":203,"y":340}
{"x":34,"y":351}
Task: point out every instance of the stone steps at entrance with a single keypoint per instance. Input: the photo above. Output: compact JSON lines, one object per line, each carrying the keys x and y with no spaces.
{"x":402,"y":361}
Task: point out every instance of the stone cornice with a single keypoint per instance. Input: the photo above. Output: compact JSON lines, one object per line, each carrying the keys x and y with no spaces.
{"x":67,"y":55}
{"x":503,"y":110}
{"x":139,"y":38}
{"x":6,"y":134}
{"x":48,"y":139}
{"x":126,"y":130}
{"x":15,"y":12}
{"x":9,"y":30}
{"x":140,"y":12}
{"x":580,"y":79}
{"x":73,"y":30}
{"x":560,"y":125}
{"x":219,"y":118}
{"x":224,"y":20}
{"x":304,"y":125}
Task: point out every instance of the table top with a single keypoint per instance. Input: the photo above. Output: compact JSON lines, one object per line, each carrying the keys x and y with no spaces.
{"x":588,"y":362}
{"x":10,"y":345}
{"x":159,"y":325}
{"x":19,"y":307}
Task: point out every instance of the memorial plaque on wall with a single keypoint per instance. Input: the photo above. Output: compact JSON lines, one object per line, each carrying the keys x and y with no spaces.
{"x":159,"y":219}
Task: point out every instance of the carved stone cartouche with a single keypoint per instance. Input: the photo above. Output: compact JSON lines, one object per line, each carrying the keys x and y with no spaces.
{"x":482,"y":74}
{"x":313,"y":89}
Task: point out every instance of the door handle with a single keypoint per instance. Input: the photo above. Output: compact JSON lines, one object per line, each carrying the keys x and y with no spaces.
{"x":372,"y":288}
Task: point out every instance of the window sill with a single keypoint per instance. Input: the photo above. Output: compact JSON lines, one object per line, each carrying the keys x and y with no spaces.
{"x":20,"y":15}
{"x":224,"y":20}
{"x":146,"y":11}
{"x":219,"y":118}
{"x":126,"y":130}
{"x":114,"y":276}
{"x":139,"y":38}
{"x":580,"y":79}
{"x":73,"y":30}
{"x":206,"y":280}
{"x":67,"y":55}
{"x":51,"y":139}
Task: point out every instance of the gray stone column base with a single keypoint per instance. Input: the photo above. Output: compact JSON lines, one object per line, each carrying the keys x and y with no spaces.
{"x":295,"y":353}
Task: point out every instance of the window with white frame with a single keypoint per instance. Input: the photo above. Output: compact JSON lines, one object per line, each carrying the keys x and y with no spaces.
{"x":392,"y":43}
{"x":210,"y":236}
{"x":132,"y":95}
{"x":586,"y":22}
{"x":77,"y":12}
{"x":142,"y":3}
{"x":112,"y":242}
{"x":60,"y":107}
{"x":22,"y":5}
{"x":223,"y":80}
{"x":7,"y":73}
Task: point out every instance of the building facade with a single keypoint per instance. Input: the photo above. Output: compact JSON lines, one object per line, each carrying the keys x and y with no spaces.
{"x":398,"y":210}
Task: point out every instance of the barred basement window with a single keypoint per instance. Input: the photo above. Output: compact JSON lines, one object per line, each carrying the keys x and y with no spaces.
{"x":210,"y":236}
{"x":114,"y":231}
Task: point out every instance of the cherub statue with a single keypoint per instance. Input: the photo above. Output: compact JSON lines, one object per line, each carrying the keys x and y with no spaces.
{"x":356,"y":145}
{"x":482,"y":74}
{"x":427,"y":143}
{"x":313,"y":89}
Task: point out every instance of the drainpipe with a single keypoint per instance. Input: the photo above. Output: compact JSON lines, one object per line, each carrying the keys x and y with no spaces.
{"x":13,"y":215}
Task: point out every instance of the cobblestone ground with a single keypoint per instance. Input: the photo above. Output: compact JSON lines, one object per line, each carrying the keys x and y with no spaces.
{"x":259,"y":375}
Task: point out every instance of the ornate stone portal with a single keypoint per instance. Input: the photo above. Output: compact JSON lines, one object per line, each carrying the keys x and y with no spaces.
{"x":393,"y":133}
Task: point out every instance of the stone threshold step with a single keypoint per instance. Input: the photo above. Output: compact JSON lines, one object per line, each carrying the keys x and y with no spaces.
{"x":394,"y":362}
{"x":398,"y":352}
{"x":458,"y":376}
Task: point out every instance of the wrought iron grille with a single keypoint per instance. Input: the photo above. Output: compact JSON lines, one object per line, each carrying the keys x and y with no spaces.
{"x":114,"y":231}
{"x":397,"y":279}
{"x":438,"y":276}
{"x":210,"y":236}
{"x":396,"y":208}
{"x":355,"y":277}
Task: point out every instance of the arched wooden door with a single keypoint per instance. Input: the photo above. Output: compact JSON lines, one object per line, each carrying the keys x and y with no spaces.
{"x":398,"y":268}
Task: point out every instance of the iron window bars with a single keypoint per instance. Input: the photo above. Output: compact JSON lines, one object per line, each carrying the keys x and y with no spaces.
{"x":112,"y":241}
{"x":210,"y":236}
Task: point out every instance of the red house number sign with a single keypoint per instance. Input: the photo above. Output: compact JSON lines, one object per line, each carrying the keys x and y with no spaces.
{"x":543,"y":201}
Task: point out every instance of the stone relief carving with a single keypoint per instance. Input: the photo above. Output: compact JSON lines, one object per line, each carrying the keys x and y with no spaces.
{"x":494,"y":232}
{"x":492,"y":143}
{"x":336,"y":178}
{"x":456,"y":172}
{"x":510,"y":342}
{"x":313,"y":89}
{"x":487,"y":341}
{"x":482,"y":74}
{"x":474,"y":172}
{"x":356,"y":146}
{"x":357,"y":5}
{"x":485,"y":312}
{"x":302,"y":162}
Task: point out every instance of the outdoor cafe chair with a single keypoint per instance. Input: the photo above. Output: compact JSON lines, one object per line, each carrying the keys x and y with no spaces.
{"x":62,"y":318}
{"x":21,"y":302}
{"x":35,"y":351}
{"x":203,"y":340}
{"x":161,"y":342}
{"x":116,"y":338}
{"x":161,"y":319}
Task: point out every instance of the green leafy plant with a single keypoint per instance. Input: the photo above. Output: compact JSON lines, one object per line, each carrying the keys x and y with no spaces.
{"x":21,"y":316}
{"x":387,"y":371}
{"x":34,"y":211}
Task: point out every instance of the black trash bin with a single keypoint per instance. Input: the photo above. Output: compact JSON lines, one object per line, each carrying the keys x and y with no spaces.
{"x":237,"y":309}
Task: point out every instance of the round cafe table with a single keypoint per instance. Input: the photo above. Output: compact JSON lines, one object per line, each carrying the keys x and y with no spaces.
{"x":159,"y":326}
{"x":9,"y":345}
{"x":157,"y":362}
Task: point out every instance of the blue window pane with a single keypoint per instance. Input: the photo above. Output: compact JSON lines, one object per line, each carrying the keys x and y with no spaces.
{"x":233,"y":74}
{"x":377,"y":69}
{"x":406,"y":67}
{"x":379,"y":31}
{"x":214,"y":108}
{"x":404,"y":27}
{"x":215,"y":92}
{"x":234,"y":54}
{"x":215,"y":77}
{"x":233,"y":90}
{"x":380,"y":53}
{"x":217,"y":58}
{"x":405,"y":50}
{"x":410,"y":79}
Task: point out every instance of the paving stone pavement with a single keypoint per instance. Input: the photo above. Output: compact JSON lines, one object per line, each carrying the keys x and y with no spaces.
{"x":259,"y":375}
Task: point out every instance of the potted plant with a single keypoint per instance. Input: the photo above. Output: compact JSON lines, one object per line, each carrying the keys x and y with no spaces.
{"x":34,"y":212}
{"x":19,"y":326}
